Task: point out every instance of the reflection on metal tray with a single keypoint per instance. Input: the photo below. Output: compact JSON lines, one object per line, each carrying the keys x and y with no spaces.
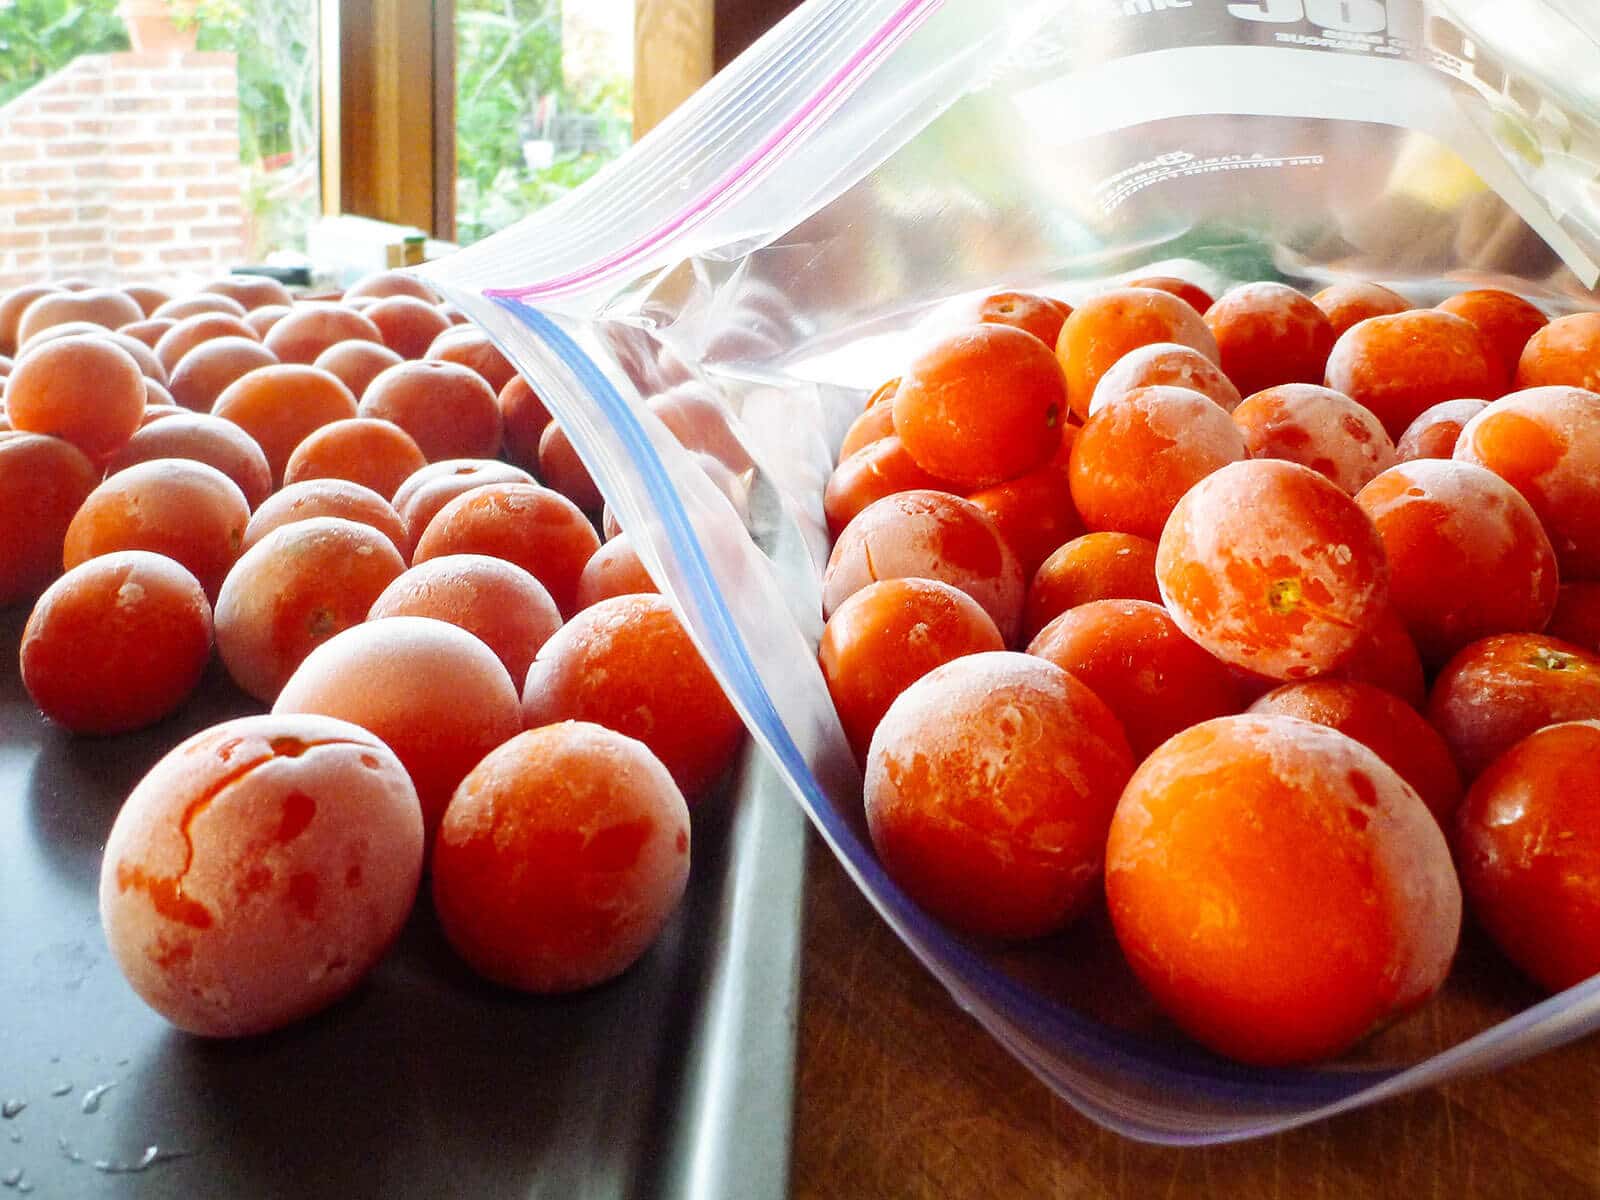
{"x":675,"y":1080}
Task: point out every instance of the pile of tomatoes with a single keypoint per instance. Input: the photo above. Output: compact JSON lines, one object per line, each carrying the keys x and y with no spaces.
{"x":1274,"y":620}
{"x":343,"y":498}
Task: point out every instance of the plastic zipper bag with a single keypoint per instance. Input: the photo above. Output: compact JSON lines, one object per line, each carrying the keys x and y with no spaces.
{"x":706,"y":316}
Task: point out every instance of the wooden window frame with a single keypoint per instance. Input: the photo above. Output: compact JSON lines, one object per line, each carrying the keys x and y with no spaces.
{"x":388,"y":111}
{"x":388,"y":93}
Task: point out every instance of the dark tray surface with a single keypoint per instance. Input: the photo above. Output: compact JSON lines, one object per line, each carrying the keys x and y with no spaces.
{"x":674,"y":1080}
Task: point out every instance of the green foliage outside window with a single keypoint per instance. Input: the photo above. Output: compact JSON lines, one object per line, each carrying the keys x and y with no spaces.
{"x":275,"y":42}
{"x":508,"y":66}
{"x":508,"y":70}
{"x":39,"y":37}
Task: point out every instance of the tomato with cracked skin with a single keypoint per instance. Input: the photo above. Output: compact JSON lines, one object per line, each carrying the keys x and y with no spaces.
{"x":259,"y":871}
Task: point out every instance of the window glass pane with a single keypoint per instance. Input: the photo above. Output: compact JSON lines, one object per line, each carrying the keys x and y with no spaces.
{"x":544,"y":99}
{"x":275,"y":44}
{"x":159,"y":140}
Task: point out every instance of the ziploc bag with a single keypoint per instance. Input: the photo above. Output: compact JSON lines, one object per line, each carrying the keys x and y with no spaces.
{"x":762,"y":260}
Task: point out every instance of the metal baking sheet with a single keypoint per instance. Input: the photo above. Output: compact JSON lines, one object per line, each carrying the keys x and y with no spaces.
{"x":675,"y":1080}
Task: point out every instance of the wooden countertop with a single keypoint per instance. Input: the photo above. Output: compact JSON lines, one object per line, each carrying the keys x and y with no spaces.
{"x":900,"y":1094}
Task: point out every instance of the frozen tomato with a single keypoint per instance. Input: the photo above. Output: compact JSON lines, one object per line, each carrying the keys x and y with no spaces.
{"x":561,"y":857}
{"x":1545,"y":442}
{"x":386,"y":677}
{"x":928,"y":535}
{"x":1384,"y":724}
{"x":259,"y":871}
{"x":1495,"y":692}
{"x":1577,"y":615}
{"x":1105,"y":327}
{"x":1467,"y":555}
{"x":1034,"y":512}
{"x":889,"y":635}
{"x":1279,"y":889}
{"x":627,"y":663}
{"x":1347,"y":304}
{"x":1195,"y":296}
{"x":1168,"y":364}
{"x":981,"y":406}
{"x":1504,"y":321}
{"x":116,"y":643}
{"x":1317,"y":428}
{"x":1267,"y":334}
{"x":1133,"y":656}
{"x":1096,"y":566}
{"x":1273,"y":568}
{"x":1564,"y":353}
{"x":1435,"y":431}
{"x":969,"y":768}
{"x":880,"y":468}
{"x":1528,"y":841}
{"x":1400,"y":365}
{"x":1136,"y":457}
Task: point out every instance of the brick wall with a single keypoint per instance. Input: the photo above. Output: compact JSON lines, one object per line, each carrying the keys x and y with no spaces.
{"x":123,"y":167}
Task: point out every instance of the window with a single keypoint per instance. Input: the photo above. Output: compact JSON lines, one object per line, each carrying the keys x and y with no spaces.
{"x":274,"y":43}
{"x":543,"y":100}
{"x":171,"y":140}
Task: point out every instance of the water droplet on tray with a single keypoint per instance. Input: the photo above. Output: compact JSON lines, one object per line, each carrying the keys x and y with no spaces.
{"x":67,"y":1152}
{"x":62,"y":1088}
{"x":151,"y":1156}
{"x":91,"y":1098}
{"x":12,"y":1177}
{"x":11,"y":1108}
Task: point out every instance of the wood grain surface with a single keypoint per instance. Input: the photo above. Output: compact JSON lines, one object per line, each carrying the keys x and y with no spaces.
{"x":673,"y":54}
{"x":382,"y":120}
{"x":900,"y":1094}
